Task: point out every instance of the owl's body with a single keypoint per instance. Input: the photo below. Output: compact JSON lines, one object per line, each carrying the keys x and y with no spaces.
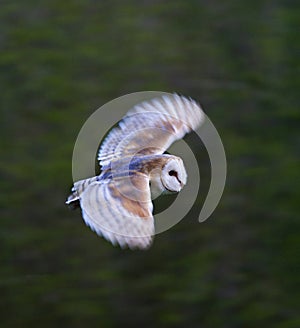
{"x":117,"y":204}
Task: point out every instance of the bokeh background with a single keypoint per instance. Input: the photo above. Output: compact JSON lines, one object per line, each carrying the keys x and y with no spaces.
{"x":59,"y":61}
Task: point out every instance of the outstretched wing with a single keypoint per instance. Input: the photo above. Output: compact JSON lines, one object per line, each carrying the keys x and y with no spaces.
{"x":151,"y":127}
{"x":120,"y":210}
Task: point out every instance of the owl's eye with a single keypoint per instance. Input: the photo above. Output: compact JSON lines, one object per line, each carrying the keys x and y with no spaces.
{"x":173,"y":173}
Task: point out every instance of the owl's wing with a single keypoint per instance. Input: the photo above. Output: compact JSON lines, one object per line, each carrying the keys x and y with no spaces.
{"x":120,"y":210}
{"x":151,"y":127}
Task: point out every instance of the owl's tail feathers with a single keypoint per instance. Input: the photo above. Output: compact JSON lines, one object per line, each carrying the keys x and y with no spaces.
{"x":73,"y":201}
{"x":72,"y":198}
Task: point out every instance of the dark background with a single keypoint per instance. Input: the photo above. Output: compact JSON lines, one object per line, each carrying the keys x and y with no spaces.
{"x":60,"y":61}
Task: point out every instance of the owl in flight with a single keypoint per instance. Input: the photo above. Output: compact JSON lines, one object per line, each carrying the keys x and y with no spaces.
{"x":134,"y":169}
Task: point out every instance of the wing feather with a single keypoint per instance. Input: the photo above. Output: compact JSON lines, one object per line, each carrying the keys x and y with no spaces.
{"x":120,"y":216}
{"x":151,"y":127}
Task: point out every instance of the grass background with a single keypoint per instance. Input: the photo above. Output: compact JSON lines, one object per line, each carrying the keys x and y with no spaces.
{"x":59,"y":61}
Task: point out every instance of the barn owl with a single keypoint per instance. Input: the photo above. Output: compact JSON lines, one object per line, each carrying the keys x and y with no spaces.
{"x":135,"y":169}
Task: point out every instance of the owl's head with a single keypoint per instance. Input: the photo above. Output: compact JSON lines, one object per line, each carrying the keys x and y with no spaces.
{"x":173,"y":175}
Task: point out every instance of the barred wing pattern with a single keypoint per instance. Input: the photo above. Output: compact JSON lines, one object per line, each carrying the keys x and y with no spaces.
{"x":117,"y":204}
{"x":115,"y":211}
{"x":151,"y":127}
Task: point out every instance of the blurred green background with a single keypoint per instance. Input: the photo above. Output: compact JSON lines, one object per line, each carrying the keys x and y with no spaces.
{"x":60,"y":61}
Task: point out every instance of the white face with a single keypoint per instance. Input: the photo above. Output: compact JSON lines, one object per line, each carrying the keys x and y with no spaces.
{"x":174,"y":175}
